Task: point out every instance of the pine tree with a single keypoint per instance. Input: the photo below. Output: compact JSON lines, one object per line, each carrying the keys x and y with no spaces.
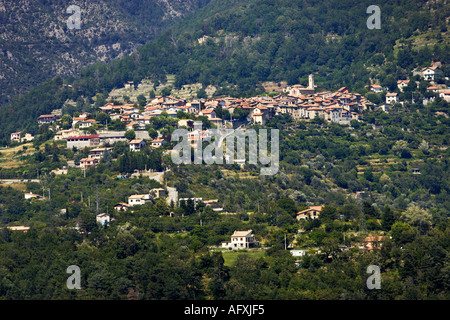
{"x":388,"y":218}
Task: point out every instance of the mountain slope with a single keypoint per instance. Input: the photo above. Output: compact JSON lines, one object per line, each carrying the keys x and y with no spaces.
{"x":36,"y":42}
{"x":247,"y":42}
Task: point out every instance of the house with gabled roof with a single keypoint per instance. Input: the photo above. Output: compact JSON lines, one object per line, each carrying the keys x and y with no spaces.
{"x":98,"y":153}
{"x":376,"y":88}
{"x":392,"y":98}
{"x":32,"y":195}
{"x":103,"y":219}
{"x":88,"y":162}
{"x":139,"y":199}
{"x":87,"y":123}
{"x":401,"y":84}
{"x":137,"y":144}
{"x":312,"y":212}
{"x":373,"y":242}
{"x":122,"y":206}
{"x":433,"y":89}
{"x":46,"y":119}
{"x":430,"y":73}
{"x":156,"y":143}
{"x":241,"y":240}
{"x":83,"y":141}
{"x":445,"y":95}
{"x":210,"y":113}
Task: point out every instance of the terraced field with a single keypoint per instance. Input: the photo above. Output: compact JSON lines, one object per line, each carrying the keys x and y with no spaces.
{"x":11,"y":157}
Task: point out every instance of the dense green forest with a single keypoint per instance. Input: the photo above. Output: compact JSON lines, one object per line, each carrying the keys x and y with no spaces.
{"x":258,"y":40}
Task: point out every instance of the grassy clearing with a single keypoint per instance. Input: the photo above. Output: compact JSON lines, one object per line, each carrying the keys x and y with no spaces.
{"x":230,"y":256}
{"x":7,"y":159}
{"x":240,"y":174}
{"x":17,"y":186}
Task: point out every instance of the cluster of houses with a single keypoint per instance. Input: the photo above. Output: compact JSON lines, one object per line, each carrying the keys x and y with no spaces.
{"x":301,"y":102}
{"x":427,"y":73}
{"x":21,"y":137}
{"x":298,"y":101}
{"x":246,"y":240}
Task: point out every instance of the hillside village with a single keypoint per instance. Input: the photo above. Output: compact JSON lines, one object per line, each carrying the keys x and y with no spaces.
{"x":87,"y":130}
{"x":301,"y":102}
{"x":244,"y":150}
{"x":97,"y":133}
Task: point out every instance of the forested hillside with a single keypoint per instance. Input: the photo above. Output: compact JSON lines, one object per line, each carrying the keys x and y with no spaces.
{"x":161,"y":251}
{"x":252,"y":41}
{"x":36,"y":43}
{"x":370,"y":189}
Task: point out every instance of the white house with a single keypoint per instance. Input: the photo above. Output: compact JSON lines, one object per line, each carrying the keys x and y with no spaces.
{"x":139,"y":199}
{"x":156,"y":143}
{"x":98,"y":153}
{"x":87,"y":123}
{"x":258,"y":118}
{"x":15,"y":136}
{"x":132,"y":115}
{"x":103,"y":218}
{"x":312,"y":212}
{"x":83,"y":141}
{"x":376,"y":88}
{"x":76,"y":120}
{"x":137,"y":144}
{"x":445,"y":95}
{"x":32,"y":195}
{"x":402,"y":84}
{"x":27,"y":137}
{"x":241,"y":240}
{"x":210,"y":113}
{"x":391,"y":98}
{"x":430,"y":73}
{"x":121,"y":206}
